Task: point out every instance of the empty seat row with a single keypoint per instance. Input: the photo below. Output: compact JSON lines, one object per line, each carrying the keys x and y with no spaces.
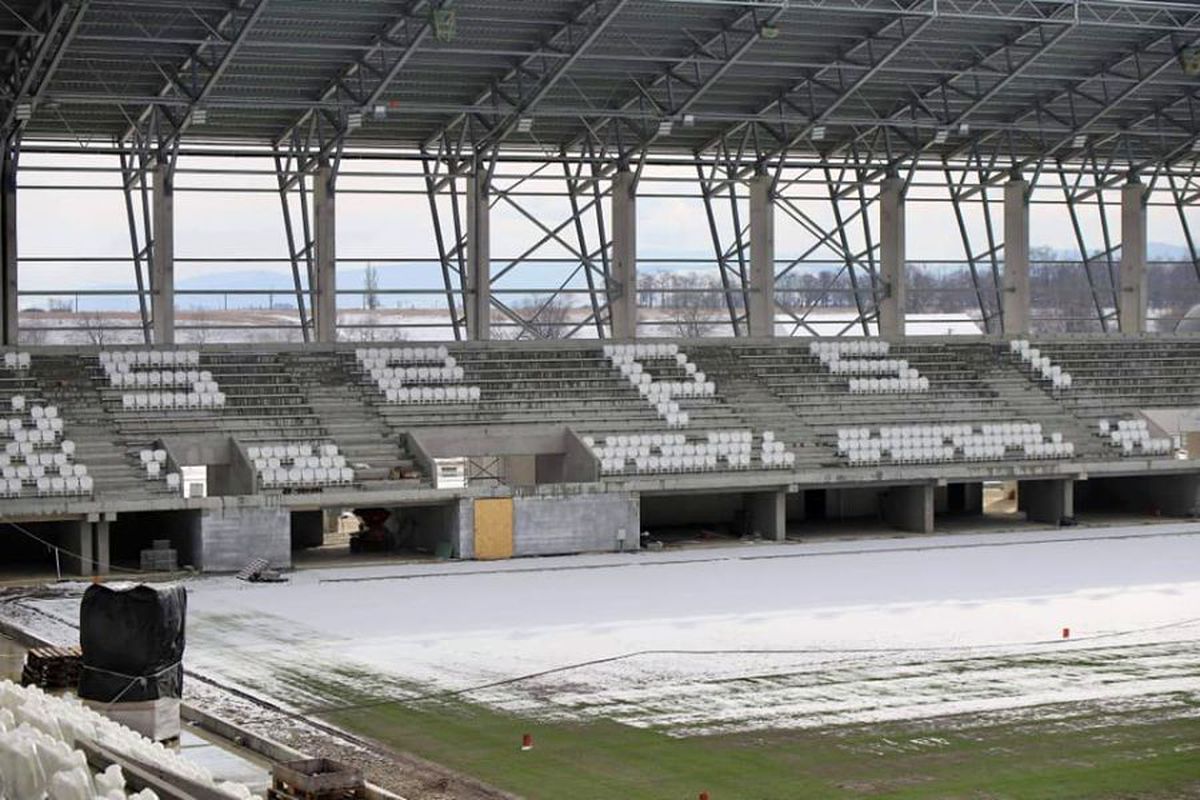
{"x":633,"y":352}
{"x":400,"y":376}
{"x":47,"y":486}
{"x":403,"y":355}
{"x":150,"y":358}
{"x":166,"y":401}
{"x":928,"y":444}
{"x":1040,"y":364}
{"x":1132,"y":437}
{"x":292,"y":450}
{"x":198,"y":380}
{"x":889,"y":385}
{"x":274,"y":462}
{"x":16,"y":360}
{"x":850,"y":347}
{"x":307,"y":477}
{"x":31,"y":471}
{"x":432,"y":394}
{"x":45,"y":459}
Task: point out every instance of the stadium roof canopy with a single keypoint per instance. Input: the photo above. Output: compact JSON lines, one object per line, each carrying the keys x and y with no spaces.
{"x":1111,"y":79}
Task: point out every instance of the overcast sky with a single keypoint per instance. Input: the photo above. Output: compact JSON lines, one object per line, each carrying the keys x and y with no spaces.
{"x":70,"y":223}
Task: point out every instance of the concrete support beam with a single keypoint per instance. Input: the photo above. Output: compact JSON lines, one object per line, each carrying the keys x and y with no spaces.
{"x":622,"y":297}
{"x":1133,"y":296}
{"x":892,"y":258}
{"x":909,"y":508}
{"x":103,"y":547}
{"x":1016,"y":299}
{"x":1049,"y":501}
{"x":761,"y":313}
{"x":479,"y":256}
{"x":77,"y":542}
{"x":9,"y":308}
{"x":325,"y":262}
{"x":162,"y":263}
{"x":768,"y":514}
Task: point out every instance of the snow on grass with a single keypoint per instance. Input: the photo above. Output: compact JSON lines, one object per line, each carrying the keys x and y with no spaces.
{"x":747,"y":638}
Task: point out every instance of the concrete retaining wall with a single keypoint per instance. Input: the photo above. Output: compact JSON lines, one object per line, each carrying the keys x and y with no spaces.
{"x":232,"y":537}
{"x":552,"y":525}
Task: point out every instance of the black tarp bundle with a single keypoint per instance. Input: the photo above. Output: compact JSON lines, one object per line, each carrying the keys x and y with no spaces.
{"x":132,"y":636}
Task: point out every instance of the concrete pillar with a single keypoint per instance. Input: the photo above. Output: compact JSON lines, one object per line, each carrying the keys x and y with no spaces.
{"x":768,"y":514}
{"x":761,"y":313}
{"x":909,"y":508}
{"x":892,"y":255}
{"x":1049,"y":501}
{"x":1016,"y":257}
{"x":325,"y":247}
{"x":9,"y":308}
{"x":103,"y":549}
{"x":77,"y":544}
{"x":622,"y":298}
{"x":1131,"y":302}
{"x":162,"y":262}
{"x":479,"y":256}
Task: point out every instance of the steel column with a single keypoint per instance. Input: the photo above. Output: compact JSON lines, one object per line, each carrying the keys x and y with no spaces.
{"x":325,"y":245}
{"x":761,"y":311}
{"x":623,"y":299}
{"x":9,"y":308}
{"x":1132,"y":300}
{"x":162,"y":264}
{"x":892,"y":254}
{"x":1016,"y":302}
{"x":479,"y":255}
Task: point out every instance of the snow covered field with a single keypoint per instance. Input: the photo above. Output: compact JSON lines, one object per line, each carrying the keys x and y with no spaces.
{"x":739,"y":638}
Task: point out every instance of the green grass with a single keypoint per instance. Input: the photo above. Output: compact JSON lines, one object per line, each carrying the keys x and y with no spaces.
{"x":1073,"y":753}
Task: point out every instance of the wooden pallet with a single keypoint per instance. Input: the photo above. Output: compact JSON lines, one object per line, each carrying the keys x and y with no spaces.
{"x":52,"y":667}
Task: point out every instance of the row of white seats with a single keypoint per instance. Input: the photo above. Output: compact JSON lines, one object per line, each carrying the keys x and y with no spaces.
{"x":44,"y":458}
{"x":138,"y":401}
{"x":888,"y":385}
{"x":640,"y":350}
{"x":37,"y":436}
{"x":1106,"y":427}
{"x":31,"y":471}
{"x":942,"y":432}
{"x":47,"y":486}
{"x":1038,"y":363}
{"x":865,"y":366}
{"x":291,"y":450}
{"x":625,"y":359}
{"x":150,"y":358}
{"x":36,"y":412}
{"x":403,"y":375}
{"x":677,"y":464}
{"x":433,"y":394}
{"x":852,"y":347}
{"x":307,"y":477}
{"x":198,"y":380}
{"x":720,"y":449}
{"x":16,"y":360}
{"x":28,"y":451}
{"x":275,"y":462}
{"x":412,"y":355}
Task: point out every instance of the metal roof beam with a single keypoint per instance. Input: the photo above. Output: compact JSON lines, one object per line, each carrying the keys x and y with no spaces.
{"x":27,"y":82}
{"x":199,"y":74}
{"x":363,"y":83}
{"x":528,"y":83}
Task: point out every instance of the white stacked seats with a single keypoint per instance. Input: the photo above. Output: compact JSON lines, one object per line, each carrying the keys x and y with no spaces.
{"x":665,"y":396}
{"x":934,"y":444}
{"x":165,"y":380}
{"x":416,"y":375}
{"x":16,"y":361}
{"x":1040,"y":365}
{"x":1132,"y":437}
{"x":672,"y":452}
{"x":868,"y":357}
{"x":35,"y":459}
{"x":293,"y":465}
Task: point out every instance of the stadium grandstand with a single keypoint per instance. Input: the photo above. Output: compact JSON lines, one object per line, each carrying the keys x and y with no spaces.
{"x":529,"y":278}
